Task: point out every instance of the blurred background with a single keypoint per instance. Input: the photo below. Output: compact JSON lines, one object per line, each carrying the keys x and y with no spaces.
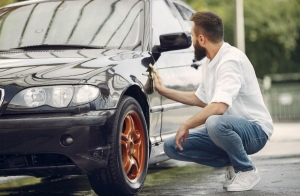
{"x":272,"y":43}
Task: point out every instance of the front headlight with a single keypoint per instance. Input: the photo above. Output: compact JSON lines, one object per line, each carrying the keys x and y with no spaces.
{"x":54,"y":96}
{"x":35,"y":97}
{"x":62,"y":96}
{"x":85,"y":94}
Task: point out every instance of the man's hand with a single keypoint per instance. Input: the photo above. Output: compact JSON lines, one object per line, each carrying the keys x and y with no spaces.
{"x":181,"y":135}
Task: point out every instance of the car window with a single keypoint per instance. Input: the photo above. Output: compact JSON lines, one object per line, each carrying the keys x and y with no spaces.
{"x":111,"y":24}
{"x":186,"y":14}
{"x":164,"y":20}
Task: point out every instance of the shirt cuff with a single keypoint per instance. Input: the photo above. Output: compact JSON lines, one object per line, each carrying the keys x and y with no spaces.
{"x":222,"y":97}
{"x":200,"y":96}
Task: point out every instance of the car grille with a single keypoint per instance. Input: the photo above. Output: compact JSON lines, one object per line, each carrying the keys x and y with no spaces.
{"x":1,"y":96}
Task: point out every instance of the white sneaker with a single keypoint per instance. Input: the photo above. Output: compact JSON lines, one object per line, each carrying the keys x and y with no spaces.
{"x":228,"y":176}
{"x":244,"y":181}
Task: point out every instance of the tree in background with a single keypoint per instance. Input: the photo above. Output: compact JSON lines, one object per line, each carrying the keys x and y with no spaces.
{"x":5,"y":2}
{"x":272,"y":31}
{"x":272,"y":35}
{"x":224,"y":8}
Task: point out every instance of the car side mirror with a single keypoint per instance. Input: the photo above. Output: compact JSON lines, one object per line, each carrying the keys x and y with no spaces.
{"x":173,"y":41}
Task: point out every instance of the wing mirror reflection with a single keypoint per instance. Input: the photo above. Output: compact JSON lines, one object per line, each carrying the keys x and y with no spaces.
{"x":173,"y":41}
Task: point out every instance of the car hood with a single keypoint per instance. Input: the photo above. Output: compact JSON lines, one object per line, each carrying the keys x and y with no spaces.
{"x":35,"y":68}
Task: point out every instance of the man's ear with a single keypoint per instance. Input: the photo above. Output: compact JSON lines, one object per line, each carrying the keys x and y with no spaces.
{"x":201,"y":39}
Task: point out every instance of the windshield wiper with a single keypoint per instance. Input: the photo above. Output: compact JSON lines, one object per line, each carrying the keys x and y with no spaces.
{"x":58,"y":46}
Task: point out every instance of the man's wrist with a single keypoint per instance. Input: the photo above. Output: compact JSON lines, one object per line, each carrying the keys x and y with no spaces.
{"x":186,"y":125}
{"x":162,"y":90}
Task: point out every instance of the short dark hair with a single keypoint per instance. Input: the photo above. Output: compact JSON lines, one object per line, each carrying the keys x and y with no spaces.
{"x":209,"y":24}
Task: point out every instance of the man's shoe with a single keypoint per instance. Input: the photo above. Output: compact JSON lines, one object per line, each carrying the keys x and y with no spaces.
{"x":244,"y":181}
{"x":228,"y":176}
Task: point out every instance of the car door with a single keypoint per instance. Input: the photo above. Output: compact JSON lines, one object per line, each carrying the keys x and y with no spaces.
{"x":174,"y":67}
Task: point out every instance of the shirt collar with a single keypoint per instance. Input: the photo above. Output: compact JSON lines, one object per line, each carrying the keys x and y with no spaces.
{"x":218,"y":55}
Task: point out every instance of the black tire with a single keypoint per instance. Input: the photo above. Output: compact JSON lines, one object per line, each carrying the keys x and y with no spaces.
{"x":129,"y":145}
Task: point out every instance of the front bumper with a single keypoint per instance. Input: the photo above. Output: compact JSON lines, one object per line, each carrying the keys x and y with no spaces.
{"x":23,"y":138}
{"x":88,"y":119}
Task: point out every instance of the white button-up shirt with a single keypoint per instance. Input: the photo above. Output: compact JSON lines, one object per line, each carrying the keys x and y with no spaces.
{"x":230,"y":78}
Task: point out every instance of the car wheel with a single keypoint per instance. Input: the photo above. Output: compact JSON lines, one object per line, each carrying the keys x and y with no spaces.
{"x":128,"y":161}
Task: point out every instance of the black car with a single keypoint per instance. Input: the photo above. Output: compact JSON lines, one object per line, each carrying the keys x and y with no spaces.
{"x":74,"y":96}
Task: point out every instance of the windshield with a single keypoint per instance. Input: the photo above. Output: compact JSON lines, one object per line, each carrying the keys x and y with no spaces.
{"x":111,"y":24}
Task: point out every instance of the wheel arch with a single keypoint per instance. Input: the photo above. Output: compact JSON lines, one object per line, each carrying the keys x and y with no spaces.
{"x":136,"y":93}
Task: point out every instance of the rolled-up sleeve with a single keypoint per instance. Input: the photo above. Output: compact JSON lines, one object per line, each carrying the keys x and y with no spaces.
{"x":200,"y":93}
{"x":228,"y":82}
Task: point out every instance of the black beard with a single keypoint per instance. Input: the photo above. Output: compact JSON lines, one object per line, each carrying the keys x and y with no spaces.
{"x":199,"y":52}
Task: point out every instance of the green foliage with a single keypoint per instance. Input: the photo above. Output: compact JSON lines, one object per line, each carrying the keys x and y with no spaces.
{"x":225,"y":9}
{"x":272,"y":31}
{"x":272,"y":35}
{"x":5,"y":2}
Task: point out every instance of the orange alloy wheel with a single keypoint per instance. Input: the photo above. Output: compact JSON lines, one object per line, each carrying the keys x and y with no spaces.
{"x":133,"y":146}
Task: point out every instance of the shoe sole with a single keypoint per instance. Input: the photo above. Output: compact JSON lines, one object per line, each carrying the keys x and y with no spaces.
{"x":244,"y":189}
{"x":226,"y":186}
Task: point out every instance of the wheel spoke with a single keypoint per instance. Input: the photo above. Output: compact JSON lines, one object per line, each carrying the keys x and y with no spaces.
{"x":133,"y":170}
{"x":127,"y":166}
{"x":124,"y":139}
{"x":125,"y":154}
{"x":128,"y":125}
{"x":135,"y":135}
{"x":137,"y":151}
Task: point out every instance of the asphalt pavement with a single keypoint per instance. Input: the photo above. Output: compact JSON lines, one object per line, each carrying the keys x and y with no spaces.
{"x":278,"y":164}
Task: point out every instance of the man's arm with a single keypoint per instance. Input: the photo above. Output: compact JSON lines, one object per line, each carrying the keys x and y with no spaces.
{"x":188,"y":98}
{"x":198,"y":119}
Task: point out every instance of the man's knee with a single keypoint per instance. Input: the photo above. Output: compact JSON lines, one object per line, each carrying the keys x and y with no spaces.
{"x":212,"y":121}
{"x":213,"y":124}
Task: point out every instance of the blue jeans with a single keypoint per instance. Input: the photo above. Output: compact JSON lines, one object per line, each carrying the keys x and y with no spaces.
{"x":224,"y":141}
